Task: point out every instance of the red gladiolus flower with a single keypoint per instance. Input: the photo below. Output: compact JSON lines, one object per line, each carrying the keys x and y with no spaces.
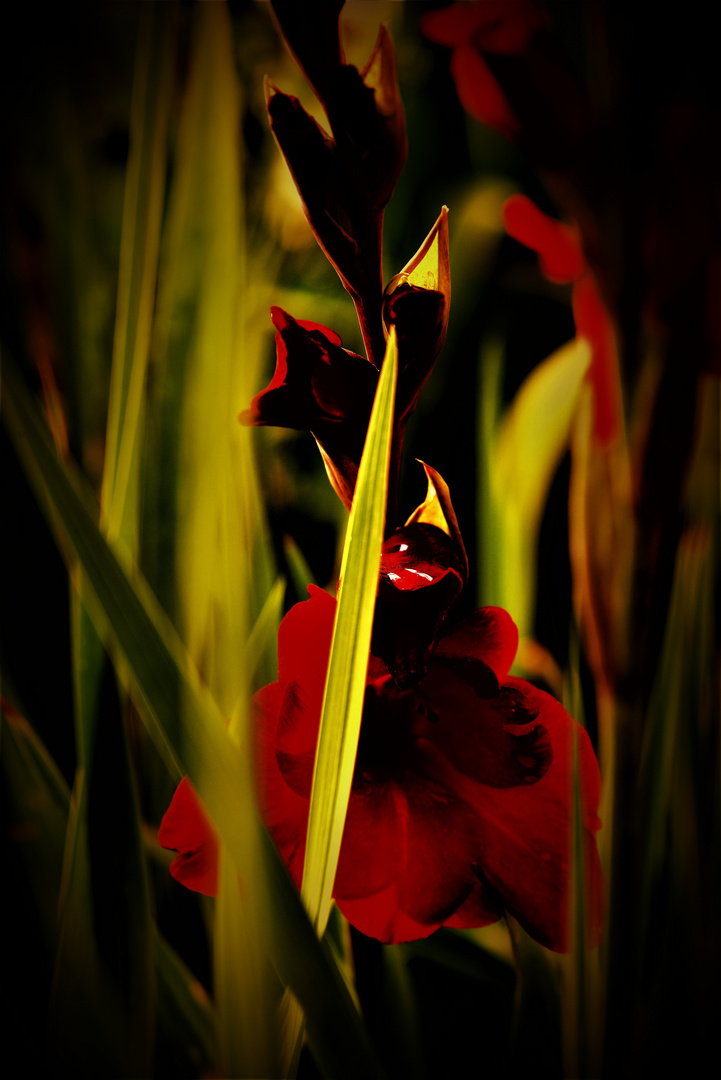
{"x":562,"y":261}
{"x":460,"y":805}
{"x":495,"y":26}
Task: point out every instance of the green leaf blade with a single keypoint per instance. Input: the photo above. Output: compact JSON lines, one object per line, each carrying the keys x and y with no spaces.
{"x":345,"y":685}
{"x":524,"y":456}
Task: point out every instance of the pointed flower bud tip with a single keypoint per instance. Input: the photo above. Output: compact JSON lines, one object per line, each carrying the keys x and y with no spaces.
{"x":430,"y":267}
{"x":437,"y":509}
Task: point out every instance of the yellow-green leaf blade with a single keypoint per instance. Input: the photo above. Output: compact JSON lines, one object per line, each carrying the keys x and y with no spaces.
{"x":526,"y":452}
{"x":345,"y":685}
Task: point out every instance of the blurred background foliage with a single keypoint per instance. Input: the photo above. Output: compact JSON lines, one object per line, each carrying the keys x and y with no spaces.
{"x":227,"y":238}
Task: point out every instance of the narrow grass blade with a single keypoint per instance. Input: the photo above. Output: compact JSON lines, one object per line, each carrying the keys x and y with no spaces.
{"x":190,"y":731}
{"x":335,"y":1029}
{"x":684,"y":685}
{"x":88,"y":658}
{"x":105,"y":933}
{"x":185,"y":1016}
{"x":38,"y":800}
{"x":247,"y":990}
{"x":581,"y":999}
{"x":345,"y":685}
{"x":264,"y":635}
{"x":299,"y":571}
{"x":89,"y":954}
{"x":402,"y":1018}
{"x":488,"y":526}
{"x":536,"y":1039}
{"x":78,"y":977}
{"x":41,"y":813}
{"x":142,"y":216}
{"x":90,"y":1022}
{"x":201,"y":490}
{"x":682,"y":690}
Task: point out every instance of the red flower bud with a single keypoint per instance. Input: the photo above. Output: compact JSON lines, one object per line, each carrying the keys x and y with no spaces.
{"x":320,"y":387}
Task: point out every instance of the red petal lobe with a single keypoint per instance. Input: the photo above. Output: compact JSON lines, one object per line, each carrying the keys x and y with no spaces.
{"x":480,"y":94}
{"x":560,"y":256}
{"x":186,"y":829}
{"x":489,"y":634}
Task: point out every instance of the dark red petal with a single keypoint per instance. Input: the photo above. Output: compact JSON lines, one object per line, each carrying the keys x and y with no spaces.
{"x":304,"y":642}
{"x":559,"y":254}
{"x":380,"y":916}
{"x":593,"y":323}
{"x":287,"y":401}
{"x":287,"y":715}
{"x":296,"y":738}
{"x":319,"y":387}
{"x":186,"y":829}
{"x":408,"y":839}
{"x":308,"y":324}
{"x":489,"y":634}
{"x":344,"y":386}
{"x":372,"y":847}
{"x":282,"y":321}
{"x":481,"y":907}
{"x":418,"y":836}
{"x":315,"y":380}
{"x":496,"y":739}
{"x":284,"y":811}
{"x":526,"y":838}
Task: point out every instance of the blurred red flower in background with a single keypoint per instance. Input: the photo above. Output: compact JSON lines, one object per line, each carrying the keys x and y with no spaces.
{"x":495,"y":26}
{"x":562,"y":260}
{"x":461,"y":801}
